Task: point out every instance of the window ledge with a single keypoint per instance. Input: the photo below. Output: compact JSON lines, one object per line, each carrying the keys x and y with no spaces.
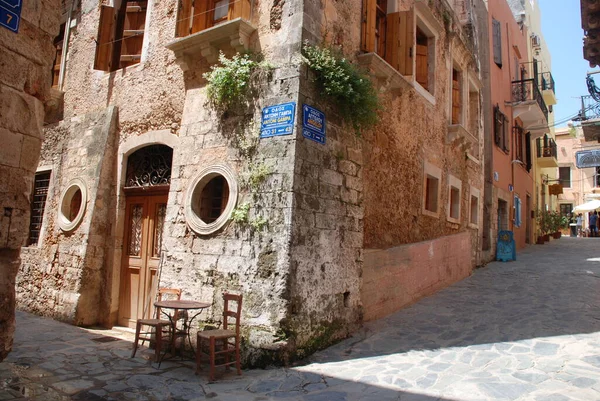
{"x":459,"y":136}
{"x":430,"y":213}
{"x":424,"y":92}
{"x":207,"y":43}
{"x":453,"y":220}
{"x":387,"y":76}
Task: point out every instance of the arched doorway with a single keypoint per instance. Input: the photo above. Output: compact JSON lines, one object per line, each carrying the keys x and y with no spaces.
{"x":146,"y":188}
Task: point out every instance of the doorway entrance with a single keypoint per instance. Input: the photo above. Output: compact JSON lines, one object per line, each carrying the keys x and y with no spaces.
{"x":145,"y":216}
{"x":146,"y":189}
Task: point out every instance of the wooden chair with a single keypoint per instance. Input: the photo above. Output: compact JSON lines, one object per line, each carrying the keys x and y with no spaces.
{"x":156,"y":327}
{"x":222,"y":343}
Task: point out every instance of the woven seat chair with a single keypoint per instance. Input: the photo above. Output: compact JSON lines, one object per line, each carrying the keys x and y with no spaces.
{"x":222,"y":346}
{"x":156,"y":330}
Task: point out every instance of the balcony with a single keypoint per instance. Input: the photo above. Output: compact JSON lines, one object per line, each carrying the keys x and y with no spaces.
{"x":547,"y":85}
{"x":546,"y":152}
{"x":528,"y":105}
{"x":589,"y":116}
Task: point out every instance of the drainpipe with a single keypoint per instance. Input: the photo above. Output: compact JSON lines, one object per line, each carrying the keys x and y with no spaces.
{"x":63,"y":58}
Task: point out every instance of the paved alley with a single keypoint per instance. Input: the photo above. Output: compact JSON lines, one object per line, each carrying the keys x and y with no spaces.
{"x":524,"y":330}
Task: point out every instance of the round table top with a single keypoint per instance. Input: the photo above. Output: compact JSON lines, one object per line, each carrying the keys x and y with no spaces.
{"x":181,"y":304}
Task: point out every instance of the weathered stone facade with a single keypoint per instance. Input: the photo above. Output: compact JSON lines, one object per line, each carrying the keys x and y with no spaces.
{"x":324,"y":205}
{"x":25,"y":64}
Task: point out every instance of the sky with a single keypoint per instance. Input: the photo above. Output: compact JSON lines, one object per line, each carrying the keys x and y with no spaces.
{"x":561,"y":27}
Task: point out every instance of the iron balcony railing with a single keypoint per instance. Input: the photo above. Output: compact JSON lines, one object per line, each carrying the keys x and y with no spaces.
{"x":546,"y":147}
{"x":547,"y":81}
{"x":590,"y":109}
{"x":527,"y":89}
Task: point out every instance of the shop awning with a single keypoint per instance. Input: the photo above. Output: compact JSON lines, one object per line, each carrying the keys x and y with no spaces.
{"x":587,"y":206}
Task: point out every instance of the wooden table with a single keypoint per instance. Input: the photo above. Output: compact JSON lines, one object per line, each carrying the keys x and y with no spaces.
{"x":187,"y":318}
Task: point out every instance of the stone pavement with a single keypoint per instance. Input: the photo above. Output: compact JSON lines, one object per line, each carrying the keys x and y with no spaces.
{"x":524,"y":330}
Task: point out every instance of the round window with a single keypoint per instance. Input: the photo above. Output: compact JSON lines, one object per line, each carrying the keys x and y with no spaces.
{"x":72,"y":205}
{"x":210,"y":199}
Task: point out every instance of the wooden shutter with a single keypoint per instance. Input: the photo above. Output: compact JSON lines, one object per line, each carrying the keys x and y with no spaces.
{"x":406,"y":41}
{"x":422,"y":70}
{"x":528,"y":151}
{"x":200,"y":15}
{"x":497,"y":42}
{"x":239,"y":9}
{"x":133,"y":33}
{"x":368,"y":25}
{"x":392,"y":43}
{"x":106,"y":36}
{"x":456,"y":106}
{"x":184,"y":18}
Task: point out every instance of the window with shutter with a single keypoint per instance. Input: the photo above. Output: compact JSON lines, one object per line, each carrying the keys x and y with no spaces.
{"x":528,"y":151}
{"x":120,"y":35}
{"x":133,"y":33}
{"x":422,"y":59}
{"x":197,"y":15}
{"x":58,"y":46}
{"x":497,"y":42}
{"x":380,"y":28}
{"x":456,"y":97}
{"x":38,"y":204}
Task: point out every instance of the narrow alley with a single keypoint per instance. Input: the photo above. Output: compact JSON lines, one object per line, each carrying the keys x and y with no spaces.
{"x":524,"y":330}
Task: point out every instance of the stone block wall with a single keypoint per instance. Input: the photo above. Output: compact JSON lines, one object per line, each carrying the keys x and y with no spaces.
{"x":25,"y":63}
{"x":67,"y":270}
{"x":396,"y":277}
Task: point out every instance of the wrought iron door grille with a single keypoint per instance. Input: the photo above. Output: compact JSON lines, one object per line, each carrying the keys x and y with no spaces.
{"x":38,"y":203}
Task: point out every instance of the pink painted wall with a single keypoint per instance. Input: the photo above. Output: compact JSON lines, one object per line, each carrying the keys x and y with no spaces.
{"x":514,"y":52}
{"x":396,"y":277}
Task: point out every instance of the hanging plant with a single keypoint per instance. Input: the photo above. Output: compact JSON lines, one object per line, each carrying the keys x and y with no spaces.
{"x":344,"y":83}
{"x":231,"y":81}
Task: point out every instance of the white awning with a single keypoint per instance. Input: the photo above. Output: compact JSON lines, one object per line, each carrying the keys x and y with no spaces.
{"x":587,"y":206}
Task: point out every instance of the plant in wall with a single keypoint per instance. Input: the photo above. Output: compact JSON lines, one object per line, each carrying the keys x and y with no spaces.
{"x":349,"y":88}
{"x":233,"y":80}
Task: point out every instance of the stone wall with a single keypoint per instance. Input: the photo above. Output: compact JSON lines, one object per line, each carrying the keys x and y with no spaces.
{"x":396,"y":277}
{"x":25,"y":64}
{"x":67,"y":270}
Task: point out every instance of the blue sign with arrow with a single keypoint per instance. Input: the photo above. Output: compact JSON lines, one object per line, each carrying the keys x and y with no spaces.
{"x":278,"y":120}
{"x":313,"y":124}
{"x":10,"y":14}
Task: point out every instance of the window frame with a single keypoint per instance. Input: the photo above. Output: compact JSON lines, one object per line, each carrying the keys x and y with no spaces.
{"x":517,"y":219}
{"x":454,"y":185}
{"x":500,"y":128}
{"x":434,"y":172}
{"x":186,"y":10}
{"x":497,"y":42}
{"x":474,"y":193}
{"x":428,"y":25}
{"x":561,"y":180}
{"x":42,"y":209}
{"x":113,"y":35}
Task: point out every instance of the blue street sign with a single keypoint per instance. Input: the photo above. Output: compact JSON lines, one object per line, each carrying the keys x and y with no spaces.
{"x":314,"y":135}
{"x":314,"y":119}
{"x":10,"y":14}
{"x":313,"y":124}
{"x":278,"y":120}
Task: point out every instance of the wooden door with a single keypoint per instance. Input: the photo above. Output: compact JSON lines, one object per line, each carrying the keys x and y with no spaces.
{"x":144,"y":221}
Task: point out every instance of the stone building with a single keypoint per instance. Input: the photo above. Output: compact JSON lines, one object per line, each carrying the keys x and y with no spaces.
{"x":26,"y":54}
{"x":149,"y":185}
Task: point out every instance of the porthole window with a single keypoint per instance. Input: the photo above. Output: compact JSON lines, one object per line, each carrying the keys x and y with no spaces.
{"x":72,"y":205}
{"x":211,"y":197}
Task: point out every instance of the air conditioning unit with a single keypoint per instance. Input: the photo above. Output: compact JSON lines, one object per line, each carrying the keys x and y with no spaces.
{"x":536,"y":42}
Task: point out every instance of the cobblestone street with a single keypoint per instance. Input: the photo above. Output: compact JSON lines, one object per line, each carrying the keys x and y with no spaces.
{"x":524,"y":330}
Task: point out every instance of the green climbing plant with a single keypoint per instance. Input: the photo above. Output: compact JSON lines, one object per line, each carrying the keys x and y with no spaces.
{"x":231,"y":81}
{"x":345,"y":84}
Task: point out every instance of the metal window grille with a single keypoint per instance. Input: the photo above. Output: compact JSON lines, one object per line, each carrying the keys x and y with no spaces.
{"x":38,"y":203}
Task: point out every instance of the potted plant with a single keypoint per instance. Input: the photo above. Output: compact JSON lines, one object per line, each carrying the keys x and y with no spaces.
{"x":556,"y":224}
{"x":544,"y":223}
